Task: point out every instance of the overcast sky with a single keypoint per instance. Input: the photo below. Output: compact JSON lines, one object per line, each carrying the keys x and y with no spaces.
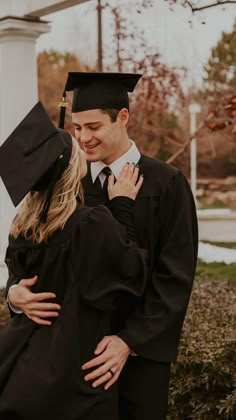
{"x":179,"y":42}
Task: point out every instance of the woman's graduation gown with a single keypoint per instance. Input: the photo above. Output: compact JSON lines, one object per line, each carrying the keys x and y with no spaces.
{"x":88,"y":265}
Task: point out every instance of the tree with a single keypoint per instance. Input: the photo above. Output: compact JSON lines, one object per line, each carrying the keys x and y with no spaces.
{"x":216,"y":138}
{"x":158,"y":96}
{"x":53,"y":67}
{"x":197,"y":6}
{"x":220,"y":83}
{"x":221,"y":67}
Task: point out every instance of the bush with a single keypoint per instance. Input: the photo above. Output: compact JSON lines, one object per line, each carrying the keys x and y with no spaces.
{"x":204,"y":378}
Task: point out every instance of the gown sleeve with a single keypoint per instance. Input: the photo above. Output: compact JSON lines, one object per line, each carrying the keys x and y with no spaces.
{"x":106,"y":263}
{"x":122,"y":208}
{"x":153,"y":329}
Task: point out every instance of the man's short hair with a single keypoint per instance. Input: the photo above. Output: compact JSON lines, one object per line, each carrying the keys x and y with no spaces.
{"x":113,"y":113}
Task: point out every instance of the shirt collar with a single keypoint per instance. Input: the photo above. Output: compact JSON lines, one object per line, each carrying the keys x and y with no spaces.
{"x":132,"y":155}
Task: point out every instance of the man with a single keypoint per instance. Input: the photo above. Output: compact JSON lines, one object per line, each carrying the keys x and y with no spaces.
{"x":146,"y":333}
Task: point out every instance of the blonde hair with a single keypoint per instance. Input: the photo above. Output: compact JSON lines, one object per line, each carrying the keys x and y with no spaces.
{"x":63,"y":203}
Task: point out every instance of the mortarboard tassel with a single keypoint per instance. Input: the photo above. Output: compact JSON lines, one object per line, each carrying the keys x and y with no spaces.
{"x":63,"y":105}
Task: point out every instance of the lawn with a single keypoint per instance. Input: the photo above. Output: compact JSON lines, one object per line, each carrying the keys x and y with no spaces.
{"x":216,"y":271}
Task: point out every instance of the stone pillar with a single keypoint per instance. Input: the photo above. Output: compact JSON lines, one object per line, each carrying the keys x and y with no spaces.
{"x":18,"y":94}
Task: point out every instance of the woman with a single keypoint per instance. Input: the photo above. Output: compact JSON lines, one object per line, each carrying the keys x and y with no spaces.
{"x":81,"y":254}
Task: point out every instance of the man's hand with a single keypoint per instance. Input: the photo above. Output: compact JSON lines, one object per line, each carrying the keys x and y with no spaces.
{"x":112,"y":353}
{"x":32,"y":304}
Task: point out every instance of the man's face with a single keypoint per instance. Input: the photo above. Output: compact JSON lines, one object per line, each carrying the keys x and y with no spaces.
{"x":99,"y":137}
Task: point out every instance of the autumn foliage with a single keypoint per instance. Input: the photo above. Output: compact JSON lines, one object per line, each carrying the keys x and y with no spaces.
{"x":159,"y":119}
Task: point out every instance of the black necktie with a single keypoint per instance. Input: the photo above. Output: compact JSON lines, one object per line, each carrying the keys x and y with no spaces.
{"x":107,"y":172}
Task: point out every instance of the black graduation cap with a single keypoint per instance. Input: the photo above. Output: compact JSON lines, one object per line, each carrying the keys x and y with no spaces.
{"x":34,"y":156}
{"x":98,"y":91}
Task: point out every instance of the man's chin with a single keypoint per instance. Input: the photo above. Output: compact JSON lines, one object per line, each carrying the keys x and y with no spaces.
{"x":92,"y":158}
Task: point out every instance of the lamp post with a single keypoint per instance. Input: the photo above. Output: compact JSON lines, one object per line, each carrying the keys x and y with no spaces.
{"x":194,"y":109}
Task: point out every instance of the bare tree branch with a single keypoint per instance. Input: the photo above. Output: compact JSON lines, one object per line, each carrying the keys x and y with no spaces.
{"x":187,"y":143}
{"x":207,"y":6}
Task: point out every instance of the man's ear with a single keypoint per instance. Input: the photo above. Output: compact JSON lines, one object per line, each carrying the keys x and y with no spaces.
{"x":123,"y":117}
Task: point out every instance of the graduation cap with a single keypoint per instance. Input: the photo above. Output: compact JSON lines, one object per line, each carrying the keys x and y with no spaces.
{"x":98,"y":91}
{"x":34,"y":157}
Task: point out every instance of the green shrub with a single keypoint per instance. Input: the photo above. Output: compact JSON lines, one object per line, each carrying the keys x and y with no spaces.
{"x":204,"y":378}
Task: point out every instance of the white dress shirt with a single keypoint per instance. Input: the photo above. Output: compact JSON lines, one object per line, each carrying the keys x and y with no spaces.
{"x":131,"y":156}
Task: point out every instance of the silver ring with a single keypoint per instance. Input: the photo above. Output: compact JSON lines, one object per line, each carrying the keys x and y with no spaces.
{"x":111,"y":372}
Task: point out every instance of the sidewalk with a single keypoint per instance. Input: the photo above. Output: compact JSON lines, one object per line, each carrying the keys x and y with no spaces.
{"x":217,"y":225}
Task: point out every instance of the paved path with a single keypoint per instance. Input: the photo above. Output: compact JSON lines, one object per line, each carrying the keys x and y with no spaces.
{"x":217,"y":226}
{"x":217,"y":230}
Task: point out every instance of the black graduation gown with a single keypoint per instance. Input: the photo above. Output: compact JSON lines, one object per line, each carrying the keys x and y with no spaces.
{"x":166,"y":224}
{"x":87,"y":264}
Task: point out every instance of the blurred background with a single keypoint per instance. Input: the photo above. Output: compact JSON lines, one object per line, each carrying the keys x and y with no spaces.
{"x":183,"y":111}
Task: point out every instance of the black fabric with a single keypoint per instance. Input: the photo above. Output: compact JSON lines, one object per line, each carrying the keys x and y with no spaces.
{"x":29,"y":153}
{"x":100,"y":90}
{"x":122,"y":209}
{"x":165,"y":224}
{"x":107,"y":172}
{"x":40,"y":367}
{"x":97,"y":91}
{"x":143,"y":390}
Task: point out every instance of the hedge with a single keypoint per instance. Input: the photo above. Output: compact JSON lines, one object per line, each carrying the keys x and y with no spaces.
{"x":203,"y":383}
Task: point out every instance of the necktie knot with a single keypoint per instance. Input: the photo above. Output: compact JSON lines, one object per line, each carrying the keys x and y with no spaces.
{"x":107,"y":171}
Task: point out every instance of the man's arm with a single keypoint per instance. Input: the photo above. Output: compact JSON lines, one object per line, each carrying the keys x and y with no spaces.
{"x":153,"y":331}
{"x":33,"y":305}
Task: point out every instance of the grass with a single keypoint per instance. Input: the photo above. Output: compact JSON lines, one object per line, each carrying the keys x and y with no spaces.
{"x":216,"y":271}
{"x":216,"y":205}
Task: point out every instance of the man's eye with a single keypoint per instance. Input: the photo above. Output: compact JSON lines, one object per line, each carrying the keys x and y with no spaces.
{"x":94,"y":128}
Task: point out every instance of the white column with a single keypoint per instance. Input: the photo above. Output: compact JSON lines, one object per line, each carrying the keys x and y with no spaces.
{"x":18,"y":94}
{"x":194,"y":109}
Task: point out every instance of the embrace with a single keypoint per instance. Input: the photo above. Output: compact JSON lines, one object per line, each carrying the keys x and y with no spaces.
{"x":101,"y":258}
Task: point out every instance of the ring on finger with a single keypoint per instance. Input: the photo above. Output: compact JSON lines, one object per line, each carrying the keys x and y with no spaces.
{"x":111,"y":372}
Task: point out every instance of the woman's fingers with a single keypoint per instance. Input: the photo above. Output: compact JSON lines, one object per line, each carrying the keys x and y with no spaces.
{"x":124,"y":171}
{"x":128,"y":182}
{"x":139,"y":183}
{"x":111,"y":181}
{"x":135,"y":174}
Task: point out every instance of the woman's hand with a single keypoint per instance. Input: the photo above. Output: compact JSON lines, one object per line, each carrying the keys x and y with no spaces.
{"x":127,"y":185}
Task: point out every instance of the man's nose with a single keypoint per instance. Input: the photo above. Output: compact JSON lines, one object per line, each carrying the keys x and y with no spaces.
{"x":85,"y":136}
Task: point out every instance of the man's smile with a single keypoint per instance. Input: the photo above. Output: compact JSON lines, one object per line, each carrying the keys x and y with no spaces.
{"x":92,"y":146}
